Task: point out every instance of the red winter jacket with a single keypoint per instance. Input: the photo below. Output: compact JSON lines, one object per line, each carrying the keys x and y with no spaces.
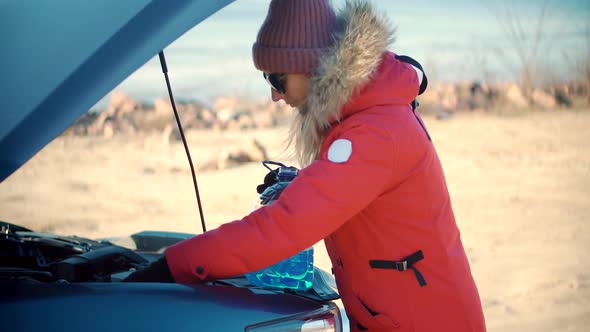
{"x":376,"y":192}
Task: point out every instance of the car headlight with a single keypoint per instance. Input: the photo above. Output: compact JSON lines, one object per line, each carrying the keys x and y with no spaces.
{"x":326,"y":319}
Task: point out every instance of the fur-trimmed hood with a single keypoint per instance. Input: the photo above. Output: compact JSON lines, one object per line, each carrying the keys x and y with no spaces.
{"x":361,"y":40}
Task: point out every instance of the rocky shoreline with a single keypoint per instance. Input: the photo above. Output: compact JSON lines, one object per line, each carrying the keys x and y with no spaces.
{"x":124,"y":115}
{"x":127,"y":116}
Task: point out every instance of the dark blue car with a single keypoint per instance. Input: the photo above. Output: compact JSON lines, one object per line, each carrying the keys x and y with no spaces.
{"x":58,"y":59}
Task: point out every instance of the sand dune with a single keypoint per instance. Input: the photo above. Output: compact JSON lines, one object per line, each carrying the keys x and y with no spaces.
{"x":520,"y":185}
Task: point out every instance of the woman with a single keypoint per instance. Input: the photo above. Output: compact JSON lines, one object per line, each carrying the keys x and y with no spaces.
{"x":372,"y":185}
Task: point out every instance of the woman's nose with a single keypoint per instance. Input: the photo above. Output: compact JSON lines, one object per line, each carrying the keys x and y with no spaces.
{"x":276,"y":96}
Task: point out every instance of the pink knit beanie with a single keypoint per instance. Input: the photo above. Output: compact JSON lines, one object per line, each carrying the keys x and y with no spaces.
{"x":294,"y":35}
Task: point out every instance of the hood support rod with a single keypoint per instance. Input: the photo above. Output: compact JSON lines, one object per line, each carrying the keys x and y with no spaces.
{"x":188,"y":154}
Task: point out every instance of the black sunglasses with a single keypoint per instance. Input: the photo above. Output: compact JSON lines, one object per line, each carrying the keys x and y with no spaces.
{"x":276,"y":81}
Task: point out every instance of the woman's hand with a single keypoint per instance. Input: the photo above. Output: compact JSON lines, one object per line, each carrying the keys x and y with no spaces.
{"x":269,"y":180}
{"x":157,"y":271}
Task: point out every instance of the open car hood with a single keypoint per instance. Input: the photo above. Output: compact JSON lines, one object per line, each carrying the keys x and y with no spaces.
{"x":60,"y":58}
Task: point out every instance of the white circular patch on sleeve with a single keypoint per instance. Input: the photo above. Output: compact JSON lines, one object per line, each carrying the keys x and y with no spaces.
{"x":340,"y":151}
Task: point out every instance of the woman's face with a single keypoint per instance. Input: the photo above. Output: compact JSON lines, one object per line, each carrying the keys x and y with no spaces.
{"x":296,"y":90}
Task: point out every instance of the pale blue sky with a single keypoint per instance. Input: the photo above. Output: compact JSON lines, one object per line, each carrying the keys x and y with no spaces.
{"x":454,"y":40}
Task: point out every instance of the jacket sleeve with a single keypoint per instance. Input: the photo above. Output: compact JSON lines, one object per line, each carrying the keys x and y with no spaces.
{"x":323,"y":197}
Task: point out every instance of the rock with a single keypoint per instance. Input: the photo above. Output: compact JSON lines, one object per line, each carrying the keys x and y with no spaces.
{"x":163,"y":107}
{"x":264,"y":120}
{"x":116,"y":118}
{"x":230,"y":124}
{"x":543,"y":99}
{"x":562,"y":97}
{"x":107,"y":130}
{"x":224,"y":115}
{"x":206,"y":118}
{"x":255,"y":151}
{"x":463,"y":95}
{"x":168,"y":135}
{"x":258,"y":151}
{"x":121,"y":103}
{"x":482,"y":96}
{"x":226,"y":103}
{"x":125,"y":128}
{"x":448,"y":96}
{"x":515,"y":96}
{"x":188,"y":119}
{"x":245,"y":121}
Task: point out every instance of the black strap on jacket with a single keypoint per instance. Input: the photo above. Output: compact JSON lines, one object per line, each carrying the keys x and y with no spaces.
{"x":402,"y":265}
{"x":423,"y":86}
{"x":407,"y":59}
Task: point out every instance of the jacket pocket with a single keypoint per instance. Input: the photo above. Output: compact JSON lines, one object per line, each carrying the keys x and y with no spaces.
{"x":364,"y":317}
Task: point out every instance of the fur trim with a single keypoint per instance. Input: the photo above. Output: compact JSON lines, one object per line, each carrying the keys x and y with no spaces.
{"x":361,"y":40}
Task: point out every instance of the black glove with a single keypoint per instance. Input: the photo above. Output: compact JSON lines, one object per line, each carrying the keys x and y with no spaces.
{"x":269,"y":180}
{"x":157,"y":271}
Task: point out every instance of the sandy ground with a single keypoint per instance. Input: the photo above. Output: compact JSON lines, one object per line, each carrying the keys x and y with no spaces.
{"x":520,"y":186}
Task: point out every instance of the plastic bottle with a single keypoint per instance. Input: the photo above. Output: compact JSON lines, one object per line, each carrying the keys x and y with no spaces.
{"x":295,"y":272}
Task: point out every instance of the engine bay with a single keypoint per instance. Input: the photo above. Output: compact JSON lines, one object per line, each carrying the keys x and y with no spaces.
{"x":30,"y":256}
{"x":34,"y":257}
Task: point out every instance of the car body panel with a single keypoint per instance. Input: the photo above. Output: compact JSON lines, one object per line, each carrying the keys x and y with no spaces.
{"x":143,"y":307}
{"x":70,"y":283}
{"x":60,"y":58}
